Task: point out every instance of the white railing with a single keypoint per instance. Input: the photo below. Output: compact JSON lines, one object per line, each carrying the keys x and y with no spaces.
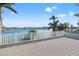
{"x":19,"y":37}
{"x":11,"y":38}
{"x":44,"y":35}
{"x":72,"y":35}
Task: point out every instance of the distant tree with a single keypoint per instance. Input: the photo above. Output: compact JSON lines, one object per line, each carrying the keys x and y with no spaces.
{"x":54,"y":23}
{"x":71,"y":27}
{"x":60,"y":27}
{"x":65,"y":26}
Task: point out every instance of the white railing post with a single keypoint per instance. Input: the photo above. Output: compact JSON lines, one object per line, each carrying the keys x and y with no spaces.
{"x":0,"y":37}
{"x":42,"y":36}
{"x":15,"y":39}
{"x":37,"y":36}
{"x":31,"y":36}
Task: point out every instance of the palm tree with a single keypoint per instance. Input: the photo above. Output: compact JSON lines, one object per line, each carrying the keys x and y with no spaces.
{"x":71,"y":27}
{"x":60,"y":27}
{"x":2,"y":6}
{"x":65,"y":26}
{"x":54,"y":24}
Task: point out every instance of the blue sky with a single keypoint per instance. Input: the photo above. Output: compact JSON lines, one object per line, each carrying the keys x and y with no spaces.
{"x":38,"y":14}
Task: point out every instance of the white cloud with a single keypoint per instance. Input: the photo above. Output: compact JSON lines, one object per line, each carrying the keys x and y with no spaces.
{"x":54,"y":7}
{"x":71,"y":13}
{"x":48,"y":9}
{"x":61,"y":15}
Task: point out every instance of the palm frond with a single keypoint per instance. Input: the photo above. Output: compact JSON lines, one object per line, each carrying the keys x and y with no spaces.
{"x":53,"y":18}
{"x":1,"y":4}
{"x":57,"y":21}
{"x":50,"y":18}
{"x":11,"y":9}
{"x":49,"y":28}
{"x":50,"y":24}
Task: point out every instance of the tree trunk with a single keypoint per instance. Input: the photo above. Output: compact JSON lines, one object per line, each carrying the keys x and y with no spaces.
{"x":1,"y":26}
{"x":0,"y":30}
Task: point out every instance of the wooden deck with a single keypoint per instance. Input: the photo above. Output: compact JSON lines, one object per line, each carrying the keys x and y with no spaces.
{"x":56,"y":47}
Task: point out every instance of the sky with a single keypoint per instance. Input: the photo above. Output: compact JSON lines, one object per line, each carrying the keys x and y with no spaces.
{"x":38,"y":14}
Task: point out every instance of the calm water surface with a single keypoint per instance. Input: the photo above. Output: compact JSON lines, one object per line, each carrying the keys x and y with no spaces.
{"x":9,"y":31}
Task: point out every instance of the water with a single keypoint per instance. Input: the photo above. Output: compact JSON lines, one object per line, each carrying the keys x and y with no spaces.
{"x":21,"y":30}
{"x":10,"y":31}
